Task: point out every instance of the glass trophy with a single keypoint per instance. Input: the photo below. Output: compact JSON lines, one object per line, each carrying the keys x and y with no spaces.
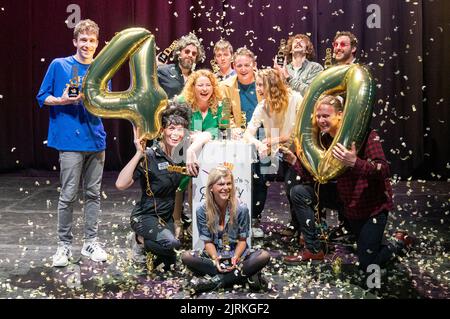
{"x":163,"y":57}
{"x":280,"y":54}
{"x":74,"y":83}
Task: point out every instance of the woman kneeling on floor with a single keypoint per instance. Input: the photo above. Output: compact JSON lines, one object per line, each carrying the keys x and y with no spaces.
{"x":224,"y":224}
{"x":152,"y":219}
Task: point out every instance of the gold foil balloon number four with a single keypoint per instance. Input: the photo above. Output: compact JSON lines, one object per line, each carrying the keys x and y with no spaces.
{"x":358,"y":86}
{"x":144,"y":100}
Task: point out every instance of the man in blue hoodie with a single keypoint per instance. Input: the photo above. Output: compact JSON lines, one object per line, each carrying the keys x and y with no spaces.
{"x":81,"y":141}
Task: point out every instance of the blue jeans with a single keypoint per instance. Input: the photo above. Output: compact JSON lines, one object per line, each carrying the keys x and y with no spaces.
{"x":370,"y":249}
{"x":159,"y":239}
{"x":75,"y":167}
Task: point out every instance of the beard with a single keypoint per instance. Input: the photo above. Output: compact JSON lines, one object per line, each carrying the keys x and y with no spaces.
{"x":186,"y":63}
{"x":344,"y":57}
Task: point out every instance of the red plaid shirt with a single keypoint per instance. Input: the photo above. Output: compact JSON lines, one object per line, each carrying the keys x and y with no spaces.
{"x":365,"y":189}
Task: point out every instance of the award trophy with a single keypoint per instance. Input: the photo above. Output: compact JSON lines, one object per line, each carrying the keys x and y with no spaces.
{"x":215,"y":67}
{"x":224,"y":123}
{"x":74,"y":83}
{"x":244,"y":120}
{"x":328,"y":58}
{"x":280,"y":54}
{"x":163,"y":57}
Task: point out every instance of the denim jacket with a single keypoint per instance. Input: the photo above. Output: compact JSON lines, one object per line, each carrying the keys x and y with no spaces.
{"x":239,"y":229}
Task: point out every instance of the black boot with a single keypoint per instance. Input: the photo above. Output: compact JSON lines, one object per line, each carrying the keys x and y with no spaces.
{"x":204,"y":285}
{"x":257,"y":282}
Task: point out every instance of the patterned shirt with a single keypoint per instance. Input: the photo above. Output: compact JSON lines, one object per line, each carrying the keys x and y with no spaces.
{"x":364,"y":189}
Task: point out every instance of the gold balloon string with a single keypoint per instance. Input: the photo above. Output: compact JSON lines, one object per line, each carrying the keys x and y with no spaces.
{"x":323,"y":236}
{"x":148,"y":190}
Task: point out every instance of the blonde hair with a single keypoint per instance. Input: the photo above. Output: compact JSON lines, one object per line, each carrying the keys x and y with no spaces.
{"x":211,"y":207}
{"x":85,"y":26}
{"x":189,"y":90}
{"x":276,"y":94}
{"x":244,"y":52}
{"x":223,"y":45}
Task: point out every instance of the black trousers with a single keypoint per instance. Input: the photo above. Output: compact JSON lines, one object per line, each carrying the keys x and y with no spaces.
{"x":159,"y":239}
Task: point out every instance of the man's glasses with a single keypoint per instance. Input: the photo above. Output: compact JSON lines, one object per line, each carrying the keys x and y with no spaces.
{"x":341,"y":44}
{"x":187,"y":51}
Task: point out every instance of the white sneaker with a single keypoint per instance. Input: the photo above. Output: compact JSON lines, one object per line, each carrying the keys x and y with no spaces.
{"x":93,"y":250}
{"x":62,"y":255}
{"x":137,"y":252}
{"x":257,"y":232}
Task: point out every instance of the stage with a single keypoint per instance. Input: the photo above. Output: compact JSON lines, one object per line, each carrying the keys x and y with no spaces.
{"x":28,"y":239}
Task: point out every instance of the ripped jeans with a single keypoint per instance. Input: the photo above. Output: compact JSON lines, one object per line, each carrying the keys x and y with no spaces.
{"x":159,"y":239}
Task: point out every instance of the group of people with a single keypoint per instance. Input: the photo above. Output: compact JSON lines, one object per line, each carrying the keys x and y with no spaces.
{"x":264,"y":106}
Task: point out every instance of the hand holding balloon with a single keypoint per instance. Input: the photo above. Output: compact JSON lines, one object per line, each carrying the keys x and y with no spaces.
{"x":139,"y":143}
{"x":358,"y":85}
{"x":347,"y":157}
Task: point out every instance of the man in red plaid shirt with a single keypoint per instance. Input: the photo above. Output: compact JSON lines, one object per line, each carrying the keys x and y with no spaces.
{"x":363,"y":191}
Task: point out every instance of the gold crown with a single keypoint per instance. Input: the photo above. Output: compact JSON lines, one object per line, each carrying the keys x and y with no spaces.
{"x":230,"y":166}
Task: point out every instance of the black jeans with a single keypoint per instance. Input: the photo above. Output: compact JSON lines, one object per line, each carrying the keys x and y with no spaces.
{"x":370,"y":249}
{"x":304,"y":199}
{"x":290,"y":180}
{"x":158,"y":239}
{"x":259,"y":190}
{"x":201,"y":264}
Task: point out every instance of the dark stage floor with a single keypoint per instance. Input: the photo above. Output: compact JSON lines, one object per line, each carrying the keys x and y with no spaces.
{"x":28,"y":239}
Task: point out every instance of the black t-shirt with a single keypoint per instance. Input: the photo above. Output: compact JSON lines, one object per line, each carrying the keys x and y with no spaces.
{"x":162,"y":183}
{"x":171,"y":79}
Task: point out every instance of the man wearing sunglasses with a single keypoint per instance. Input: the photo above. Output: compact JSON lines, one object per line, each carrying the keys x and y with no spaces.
{"x":188,"y":53}
{"x":345,"y":45}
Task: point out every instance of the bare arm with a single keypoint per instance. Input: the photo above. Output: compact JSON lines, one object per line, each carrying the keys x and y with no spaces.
{"x":125,"y":179}
{"x":200,"y":139}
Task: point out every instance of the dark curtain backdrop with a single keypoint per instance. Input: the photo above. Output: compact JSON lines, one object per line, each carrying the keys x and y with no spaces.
{"x":408,"y":56}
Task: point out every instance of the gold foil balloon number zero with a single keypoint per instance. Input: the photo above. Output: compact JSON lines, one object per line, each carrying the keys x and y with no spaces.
{"x":355,"y":82}
{"x":144,"y":100}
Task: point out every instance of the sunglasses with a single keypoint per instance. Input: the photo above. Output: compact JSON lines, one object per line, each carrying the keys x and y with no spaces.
{"x":341,"y":44}
{"x":187,"y":51}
